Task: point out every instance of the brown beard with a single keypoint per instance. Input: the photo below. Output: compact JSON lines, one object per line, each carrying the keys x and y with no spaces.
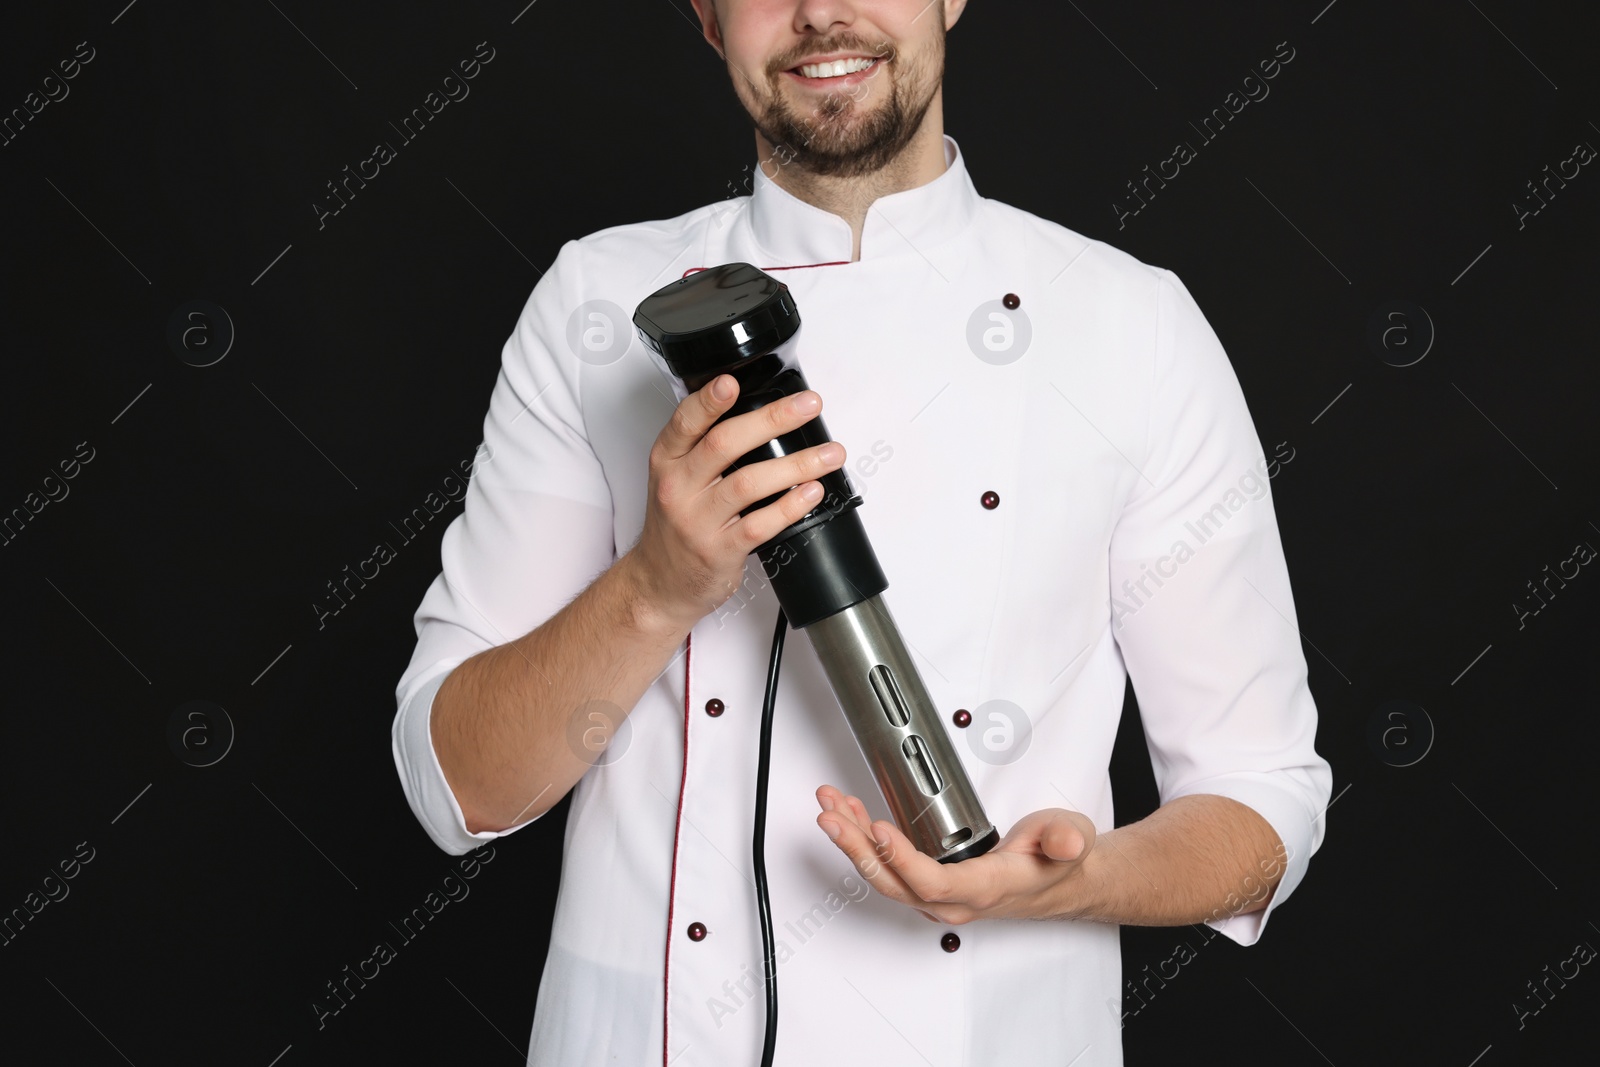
{"x":822,"y":145}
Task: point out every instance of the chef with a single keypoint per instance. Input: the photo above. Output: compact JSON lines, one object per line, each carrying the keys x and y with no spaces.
{"x":1064,"y":486}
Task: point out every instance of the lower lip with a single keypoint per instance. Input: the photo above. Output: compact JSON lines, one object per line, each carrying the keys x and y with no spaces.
{"x":844,"y":81}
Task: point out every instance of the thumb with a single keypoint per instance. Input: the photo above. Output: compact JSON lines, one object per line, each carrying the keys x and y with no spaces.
{"x":1067,"y":836}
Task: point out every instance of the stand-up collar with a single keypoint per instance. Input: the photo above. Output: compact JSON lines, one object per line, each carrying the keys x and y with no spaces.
{"x":793,"y":232}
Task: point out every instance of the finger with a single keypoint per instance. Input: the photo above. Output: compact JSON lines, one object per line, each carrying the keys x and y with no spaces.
{"x":762,"y":525}
{"x":862,"y":818}
{"x":1057,"y":834}
{"x":757,"y":481}
{"x":862,"y":851}
{"x":726,"y":441}
{"x":694,"y":415}
{"x":930,"y":880}
{"x":834,"y":800}
{"x":1067,"y":837}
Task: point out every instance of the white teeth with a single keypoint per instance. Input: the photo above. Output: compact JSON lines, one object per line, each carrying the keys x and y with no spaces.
{"x":836,"y":69}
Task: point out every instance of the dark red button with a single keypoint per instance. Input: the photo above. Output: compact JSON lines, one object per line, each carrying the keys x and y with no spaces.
{"x":1011,"y":301}
{"x":990,"y":500}
{"x":962,"y":717}
{"x":697,"y":932}
{"x":949,"y":942}
{"x":713,"y":707}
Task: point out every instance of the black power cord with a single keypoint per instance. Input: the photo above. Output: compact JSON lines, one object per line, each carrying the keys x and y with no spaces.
{"x":758,"y":850}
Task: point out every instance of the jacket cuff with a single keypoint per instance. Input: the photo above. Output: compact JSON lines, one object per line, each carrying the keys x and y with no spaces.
{"x":1297,"y":829}
{"x":422,"y":778}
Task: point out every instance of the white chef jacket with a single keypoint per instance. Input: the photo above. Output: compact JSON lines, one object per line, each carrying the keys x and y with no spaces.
{"x":1118,"y":434}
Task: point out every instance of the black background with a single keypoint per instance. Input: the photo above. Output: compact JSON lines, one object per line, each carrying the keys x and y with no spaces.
{"x":183,"y":565}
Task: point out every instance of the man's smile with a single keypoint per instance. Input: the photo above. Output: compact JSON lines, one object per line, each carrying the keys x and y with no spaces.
{"x":835,"y":72}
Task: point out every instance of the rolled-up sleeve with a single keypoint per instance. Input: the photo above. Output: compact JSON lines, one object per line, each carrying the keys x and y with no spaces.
{"x":1202,"y":609}
{"x":535,"y":529}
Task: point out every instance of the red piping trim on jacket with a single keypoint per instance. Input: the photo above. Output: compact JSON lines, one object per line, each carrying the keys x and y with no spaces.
{"x":683,"y":783}
{"x":798,"y":266}
{"x":672,"y":888}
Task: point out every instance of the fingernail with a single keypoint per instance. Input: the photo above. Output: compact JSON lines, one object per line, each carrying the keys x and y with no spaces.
{"x":833,"y":830}
{"x":811,"y":492}
{"x":722,"y":388}
{"x":804,"y":402}
{"x":827,"y":803}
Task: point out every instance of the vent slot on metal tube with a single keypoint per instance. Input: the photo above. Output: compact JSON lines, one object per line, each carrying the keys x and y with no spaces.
{"x":959,"y":837}
{"x":922,"y":768}
{"x":889,"y":697}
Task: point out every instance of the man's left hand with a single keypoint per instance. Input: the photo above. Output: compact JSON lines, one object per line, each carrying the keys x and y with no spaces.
{"x":1030,"y":874}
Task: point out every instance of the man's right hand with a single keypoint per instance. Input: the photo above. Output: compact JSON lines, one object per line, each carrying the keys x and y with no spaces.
{"x":691,"y":553}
